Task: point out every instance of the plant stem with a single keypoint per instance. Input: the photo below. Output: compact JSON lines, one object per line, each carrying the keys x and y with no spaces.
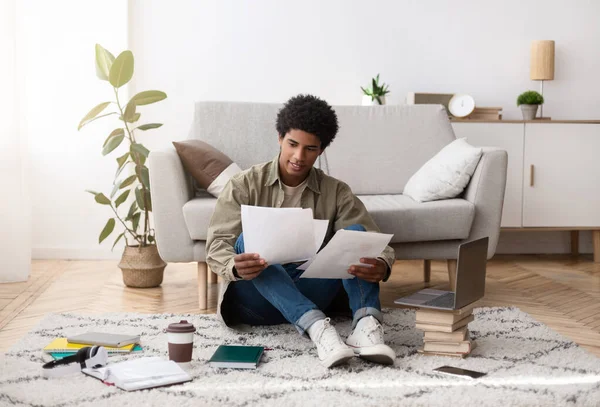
{"x":129,"y":135}
{"x":135,"y":158}
{"x":132,"y":233}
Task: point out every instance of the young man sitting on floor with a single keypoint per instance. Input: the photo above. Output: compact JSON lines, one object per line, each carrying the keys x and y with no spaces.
{"x":258,"y":293}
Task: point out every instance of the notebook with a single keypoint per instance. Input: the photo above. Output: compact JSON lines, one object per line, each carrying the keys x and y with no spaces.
{"x":104,"y":339}
{"x":60,"y":355}
{"x":61,"y":345}
{"x":142,"y":373}
{"x":237,"y":357}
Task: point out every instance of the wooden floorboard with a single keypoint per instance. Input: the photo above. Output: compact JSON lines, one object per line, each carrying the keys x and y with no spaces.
{"x":561,"y":291}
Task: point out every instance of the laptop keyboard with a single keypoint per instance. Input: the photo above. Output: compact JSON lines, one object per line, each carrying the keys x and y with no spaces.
{"x":443,"y":301}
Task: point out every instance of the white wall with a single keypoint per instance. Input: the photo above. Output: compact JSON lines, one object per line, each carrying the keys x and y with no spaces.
{"x":57,"y":54}
{"x":15,"y":207}
{"x":269,"y":50}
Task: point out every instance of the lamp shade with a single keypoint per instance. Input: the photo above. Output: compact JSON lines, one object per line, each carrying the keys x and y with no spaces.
{"x":542,"y":60}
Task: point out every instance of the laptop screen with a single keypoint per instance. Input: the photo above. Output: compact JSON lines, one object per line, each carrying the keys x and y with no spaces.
{"x":470,"y":272}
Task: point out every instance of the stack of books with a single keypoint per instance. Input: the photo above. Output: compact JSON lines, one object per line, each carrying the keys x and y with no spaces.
{"x":485,"y":113}
{"x":60,"y":348}
{"x":446,"y":333}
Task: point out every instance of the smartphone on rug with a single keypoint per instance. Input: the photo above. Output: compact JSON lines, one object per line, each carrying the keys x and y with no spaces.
{"x":457,"y":371}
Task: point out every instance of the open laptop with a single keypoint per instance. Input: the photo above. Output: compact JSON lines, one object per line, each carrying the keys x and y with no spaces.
{"x":470,"y":281}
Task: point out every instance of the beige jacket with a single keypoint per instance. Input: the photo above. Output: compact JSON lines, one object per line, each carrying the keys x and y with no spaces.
{"x":261,"y":185}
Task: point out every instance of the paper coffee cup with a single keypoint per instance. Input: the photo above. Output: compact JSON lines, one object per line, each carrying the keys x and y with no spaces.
{"x":180,"y":337}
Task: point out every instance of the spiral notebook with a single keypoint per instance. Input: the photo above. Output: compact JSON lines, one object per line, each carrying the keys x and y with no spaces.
{"x":60,"y":345}
{"x":142,"y":373}
{"x":60,"y":355}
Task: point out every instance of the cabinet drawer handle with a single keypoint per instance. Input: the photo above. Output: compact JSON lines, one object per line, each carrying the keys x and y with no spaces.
{"x":531,"y":174}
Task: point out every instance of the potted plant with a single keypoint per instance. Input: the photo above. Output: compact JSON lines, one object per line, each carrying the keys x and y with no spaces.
{"x":141,"y":264}
{"x":375,"y":94}
{"x":529,"y":102}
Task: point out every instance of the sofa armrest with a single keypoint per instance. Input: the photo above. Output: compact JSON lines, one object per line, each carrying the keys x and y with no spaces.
{"x":170,"y":188}
{"x":486,"y":192}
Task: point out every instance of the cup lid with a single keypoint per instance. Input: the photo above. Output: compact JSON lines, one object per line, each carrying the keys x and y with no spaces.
{"x":181,"y":327}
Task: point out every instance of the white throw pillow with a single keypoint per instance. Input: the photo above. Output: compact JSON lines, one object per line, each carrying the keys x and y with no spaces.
{"x":445,"y":175}
{"x":216,"y":187}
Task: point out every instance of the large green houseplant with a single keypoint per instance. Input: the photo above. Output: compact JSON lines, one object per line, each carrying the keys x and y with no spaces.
{"x":141,"y":263}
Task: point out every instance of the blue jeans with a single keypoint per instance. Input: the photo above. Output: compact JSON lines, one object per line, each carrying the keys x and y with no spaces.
{"x":278,"y":295}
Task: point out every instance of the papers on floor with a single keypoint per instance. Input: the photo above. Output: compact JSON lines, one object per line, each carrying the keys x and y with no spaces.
{"x":143,"y":373}
{"x":345,"y":249}
{"x":286,"y":235}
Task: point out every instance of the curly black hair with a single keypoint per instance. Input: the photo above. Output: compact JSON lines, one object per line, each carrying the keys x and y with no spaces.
{"x":310,"y":114}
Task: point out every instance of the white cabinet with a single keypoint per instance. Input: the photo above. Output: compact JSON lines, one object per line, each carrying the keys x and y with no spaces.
{"x":561,"y":175}
{"x":509,"y":137}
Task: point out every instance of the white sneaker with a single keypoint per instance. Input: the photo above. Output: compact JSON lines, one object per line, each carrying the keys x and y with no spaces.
{"x":367,"y":342}
{"x":331,"y":349}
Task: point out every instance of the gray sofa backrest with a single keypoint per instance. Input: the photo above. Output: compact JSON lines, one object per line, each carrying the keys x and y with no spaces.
{"x":379,"y":148}
{"x":376,"y":151}
{"x":243,"y":131}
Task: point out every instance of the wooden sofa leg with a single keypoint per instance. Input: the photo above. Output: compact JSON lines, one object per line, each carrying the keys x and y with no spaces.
{"x":426,"y":270}
{"x":596,"y":241}
{"x":452,"y":273}
{"x":574,"y":242}
{"x":202,"y":284}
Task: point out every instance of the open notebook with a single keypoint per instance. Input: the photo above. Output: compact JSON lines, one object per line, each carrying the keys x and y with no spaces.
{"x":143,"y":373}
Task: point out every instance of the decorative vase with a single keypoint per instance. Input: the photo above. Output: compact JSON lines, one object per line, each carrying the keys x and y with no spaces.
{"x":529,"y":111}
{"x":142,"y":266}
{"x":368,"y":101}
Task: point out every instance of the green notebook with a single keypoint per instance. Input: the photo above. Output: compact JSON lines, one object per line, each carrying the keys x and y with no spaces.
{"x":237,"y":357}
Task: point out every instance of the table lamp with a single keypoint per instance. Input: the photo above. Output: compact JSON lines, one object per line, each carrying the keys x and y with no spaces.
{"x":542,"y":64}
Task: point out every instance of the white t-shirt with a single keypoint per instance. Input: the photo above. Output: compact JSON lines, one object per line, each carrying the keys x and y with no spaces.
{"x":292,"y":195}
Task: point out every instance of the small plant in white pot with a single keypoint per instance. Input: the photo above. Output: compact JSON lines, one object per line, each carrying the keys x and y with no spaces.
{"x":375,"y":95}
{"x":529,"y":102}
{"x":141,"y":264}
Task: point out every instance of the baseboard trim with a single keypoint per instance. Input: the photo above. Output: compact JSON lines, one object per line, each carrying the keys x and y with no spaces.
{"x":79,"y":253}
{"x":534,"y":242}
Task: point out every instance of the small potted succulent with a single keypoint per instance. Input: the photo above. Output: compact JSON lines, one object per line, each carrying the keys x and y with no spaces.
{"x":529,"y":102}
{"x":375,"y":95}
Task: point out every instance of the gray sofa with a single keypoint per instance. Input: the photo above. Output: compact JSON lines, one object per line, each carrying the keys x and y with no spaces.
{"x":376,"y":151}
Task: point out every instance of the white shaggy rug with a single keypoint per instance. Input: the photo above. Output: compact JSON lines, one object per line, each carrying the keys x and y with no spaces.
{"x":526,"y":363}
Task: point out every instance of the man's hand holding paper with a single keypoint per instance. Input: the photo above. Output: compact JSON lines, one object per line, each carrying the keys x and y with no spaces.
{"x":281,"y":235}
{"x":372,"y":270}
{"x":347,"y":249}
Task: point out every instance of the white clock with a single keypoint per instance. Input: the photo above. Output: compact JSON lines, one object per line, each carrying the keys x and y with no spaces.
{"x":461,"y":105}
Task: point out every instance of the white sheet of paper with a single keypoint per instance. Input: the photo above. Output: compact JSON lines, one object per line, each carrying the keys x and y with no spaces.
{"x":346,"y":248}
{"x":279,"y":235}
{"x":321,"y":226}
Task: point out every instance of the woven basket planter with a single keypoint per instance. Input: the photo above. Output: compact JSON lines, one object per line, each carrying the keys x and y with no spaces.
{"x":142,"y":267}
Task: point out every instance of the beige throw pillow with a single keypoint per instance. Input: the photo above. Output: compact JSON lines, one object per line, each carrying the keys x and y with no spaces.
{"x":208,"y":166}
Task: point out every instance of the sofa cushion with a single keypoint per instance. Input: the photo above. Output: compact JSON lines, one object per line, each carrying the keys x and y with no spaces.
{"x":408,"y":220}
{"x":411,"y":221}
{"x":210,"y":168}
{"x":446,"y":175}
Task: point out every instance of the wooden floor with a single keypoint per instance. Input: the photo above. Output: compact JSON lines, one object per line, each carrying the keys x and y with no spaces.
{"x":559,"y":290}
